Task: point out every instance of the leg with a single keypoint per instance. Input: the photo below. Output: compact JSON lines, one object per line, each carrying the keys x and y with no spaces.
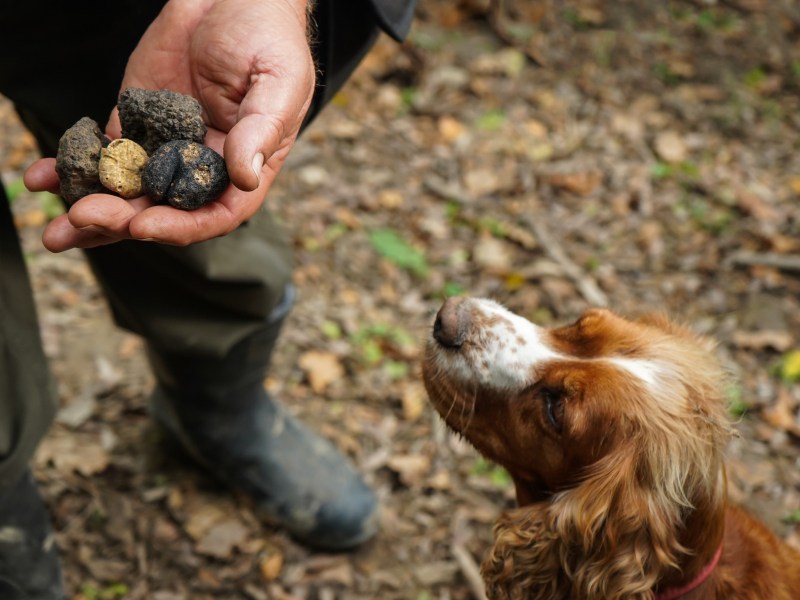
{"x":211,"y":313}
{"x":29,"y":567}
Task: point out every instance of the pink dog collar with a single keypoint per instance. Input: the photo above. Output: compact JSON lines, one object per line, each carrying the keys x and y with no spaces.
{"x":677,"y":592}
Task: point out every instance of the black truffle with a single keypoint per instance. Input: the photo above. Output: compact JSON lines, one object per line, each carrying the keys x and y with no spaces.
{"x":185,"y":174}
{"x":77,"y":160}
{"x":152,"y":118}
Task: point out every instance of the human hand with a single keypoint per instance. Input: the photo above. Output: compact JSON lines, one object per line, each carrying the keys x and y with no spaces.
{"x":248,"y":63}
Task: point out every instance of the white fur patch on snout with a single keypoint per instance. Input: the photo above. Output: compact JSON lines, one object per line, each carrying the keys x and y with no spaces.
{"x":504,"y":351}
{"x":499,"y":349}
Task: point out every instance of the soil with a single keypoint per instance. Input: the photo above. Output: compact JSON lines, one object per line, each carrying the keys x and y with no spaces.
{"x":556,"y":156}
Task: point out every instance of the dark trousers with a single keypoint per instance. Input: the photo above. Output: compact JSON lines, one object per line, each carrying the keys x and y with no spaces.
{"x":66,"y":61}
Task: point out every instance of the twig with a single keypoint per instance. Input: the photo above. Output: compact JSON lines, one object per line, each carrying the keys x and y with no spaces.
{"x":786,"y":262}
{"x":448,"y":191}
{"x":585,"y":284}
{"x":470,"y":570}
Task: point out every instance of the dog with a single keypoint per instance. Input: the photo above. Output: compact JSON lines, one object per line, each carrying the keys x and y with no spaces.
{"x":613,"y":432}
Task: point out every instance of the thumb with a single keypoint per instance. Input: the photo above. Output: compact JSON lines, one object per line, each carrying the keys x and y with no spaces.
{"x":270,"y":117}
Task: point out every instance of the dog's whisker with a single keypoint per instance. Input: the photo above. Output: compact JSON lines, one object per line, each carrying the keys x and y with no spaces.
{"x":472,"y":406}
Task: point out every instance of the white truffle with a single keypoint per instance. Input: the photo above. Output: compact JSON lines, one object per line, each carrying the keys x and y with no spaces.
{"x":120,"y":167}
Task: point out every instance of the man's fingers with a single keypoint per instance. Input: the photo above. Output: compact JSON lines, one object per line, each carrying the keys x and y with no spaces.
{"x":41,"y":176}
{"x":105,"y":214}
{"x":249,"y":144}
{"x":114,"y":127}
{"x":270,"y":116}
{"x":60,"y":235}
{"x":180,"y":228}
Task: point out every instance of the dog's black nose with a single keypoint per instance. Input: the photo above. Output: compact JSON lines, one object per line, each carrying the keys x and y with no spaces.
{"x":447,"y":329}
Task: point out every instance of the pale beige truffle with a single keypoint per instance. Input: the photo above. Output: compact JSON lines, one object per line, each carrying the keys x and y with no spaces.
{"x":121,"y":165}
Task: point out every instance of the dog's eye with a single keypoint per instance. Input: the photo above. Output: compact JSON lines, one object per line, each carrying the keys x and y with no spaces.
{"x":554,"y":408}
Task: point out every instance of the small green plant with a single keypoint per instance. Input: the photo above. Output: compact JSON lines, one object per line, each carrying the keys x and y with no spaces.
{"x":451,"y":288}
{"x":453,"y":210}
{"x":115,"y":590}
{"x":796,"y":68}
{"x":711,"y":21}
{"x":49,"y":203}
{"x":373,"y":340}
{"x":396,"y":369}
{"x":434,"y":40}
{"x":331,"y":330}
{"x":754,"y":77}
{"x":684,"y":170}
{"x":705,"y":20}
{"x":491,"y":120}
{"x":663,"y":71}
{"x":737,"y":407}
{"x":494,"y":473}
{"x":519,"y":31}
{"x":493,"y":226}
{"x":391,"y":246}
{"x":793,"y":517}
{"x":408,"y":96}
{"x":714,"y":219}
{"x":14,"y":189}
{"x":335,"y":231}
{"x":575,"y":20}
{"x":592,"y":264}
{"x":542,"y":316}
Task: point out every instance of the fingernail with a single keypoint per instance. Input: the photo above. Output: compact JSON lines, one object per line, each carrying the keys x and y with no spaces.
{"x":258,"y":164}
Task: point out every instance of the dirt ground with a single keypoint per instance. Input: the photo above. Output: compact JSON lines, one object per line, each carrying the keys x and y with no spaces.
{"x":556,"y":156}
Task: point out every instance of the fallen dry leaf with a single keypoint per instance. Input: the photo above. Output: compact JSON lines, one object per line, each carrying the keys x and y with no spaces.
{"x":780,"y":340}
{"x":222,"y":538}
{"x":321,"y":369}
{"x":340,"y":574}
{"x":31,"y":218}
{"x":411,"y":468}
{"x":271,"y":565}
{"x":482,"y":182}
{"x":492,"y":254}
{"x":414,"y":399}
{"x":201,"y":517}
{"x":783,"y":413}
{"x":450,"y":129}
{"x":669,"y":146}
{"x":73,"y":452}
{"x":581,"y":183}
{"x":756,"y":207}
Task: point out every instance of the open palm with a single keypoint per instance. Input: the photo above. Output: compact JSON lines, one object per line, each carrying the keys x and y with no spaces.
{"x":248,"y":63}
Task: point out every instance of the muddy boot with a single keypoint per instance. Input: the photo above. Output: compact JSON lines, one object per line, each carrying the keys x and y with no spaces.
{"x":29,"y":564}
{"x":220,"y":412}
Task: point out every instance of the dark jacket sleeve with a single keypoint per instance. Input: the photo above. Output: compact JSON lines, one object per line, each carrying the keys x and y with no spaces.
{"x":395,"y":16}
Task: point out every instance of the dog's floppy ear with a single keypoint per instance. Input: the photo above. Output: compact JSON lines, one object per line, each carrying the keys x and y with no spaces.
{"x":610,"y":538}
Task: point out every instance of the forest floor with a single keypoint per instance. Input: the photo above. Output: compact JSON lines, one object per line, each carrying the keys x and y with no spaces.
{"x":567,"y":154}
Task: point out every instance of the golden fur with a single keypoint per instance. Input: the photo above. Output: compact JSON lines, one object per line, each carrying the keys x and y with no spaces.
{"x":614,"y":440}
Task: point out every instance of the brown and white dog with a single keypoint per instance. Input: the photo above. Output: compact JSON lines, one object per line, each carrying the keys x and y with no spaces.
{"x":613,"y":431}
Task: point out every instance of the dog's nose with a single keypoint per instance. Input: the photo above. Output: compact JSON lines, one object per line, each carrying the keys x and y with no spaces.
{"x":447,"y":329}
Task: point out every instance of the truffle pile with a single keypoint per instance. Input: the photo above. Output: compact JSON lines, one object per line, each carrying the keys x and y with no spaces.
{"x":160,"y":153}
